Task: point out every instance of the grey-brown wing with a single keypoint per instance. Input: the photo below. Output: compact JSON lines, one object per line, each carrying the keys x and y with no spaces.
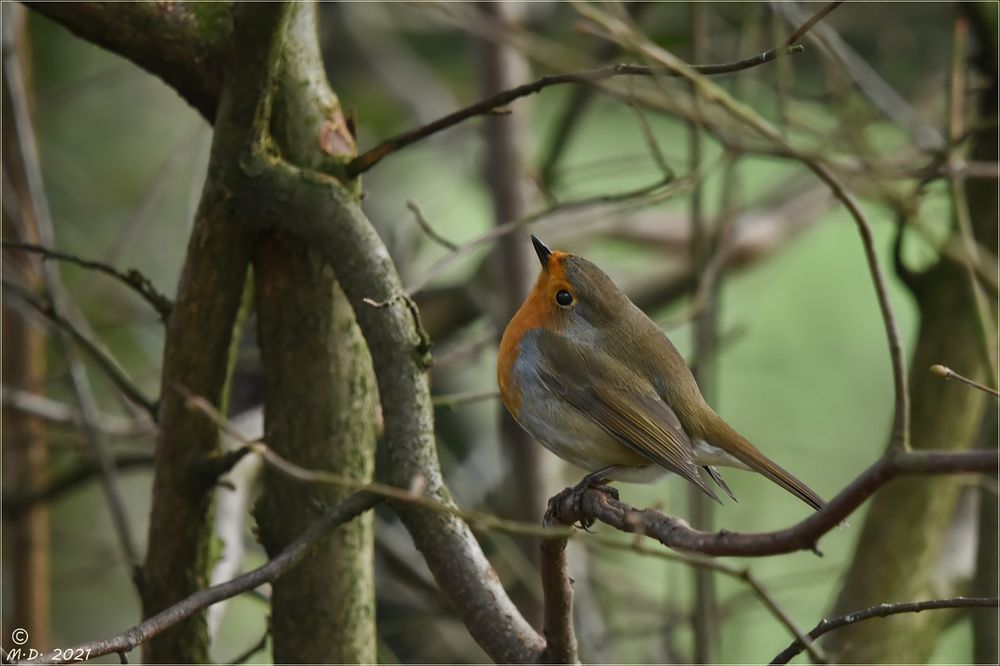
{"x":620,"y":402}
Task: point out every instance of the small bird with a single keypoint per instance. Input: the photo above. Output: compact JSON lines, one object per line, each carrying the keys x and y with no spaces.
{"x":596,"y":381}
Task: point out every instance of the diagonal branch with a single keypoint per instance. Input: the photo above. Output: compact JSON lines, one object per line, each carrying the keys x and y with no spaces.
{"x":373,"y":156}
{"x":294,"y":553}
{"x":106,"y":363}
{"x":882,"y":610}
{"x":130,"y":278}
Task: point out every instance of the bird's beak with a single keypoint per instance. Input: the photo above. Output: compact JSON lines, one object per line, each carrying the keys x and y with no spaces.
{"x":542,"y":251}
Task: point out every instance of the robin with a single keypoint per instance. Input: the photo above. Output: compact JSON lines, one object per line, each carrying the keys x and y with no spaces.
{"x":592,"y":378}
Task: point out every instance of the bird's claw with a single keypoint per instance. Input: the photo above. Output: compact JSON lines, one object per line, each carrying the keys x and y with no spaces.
{"x":576,"y":493}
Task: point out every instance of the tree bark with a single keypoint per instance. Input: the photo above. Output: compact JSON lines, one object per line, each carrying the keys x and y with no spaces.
{"x":320,"y":395}
{"x":319,"y":414}
{"x":196,"y":359}
{"x":26,"y":561}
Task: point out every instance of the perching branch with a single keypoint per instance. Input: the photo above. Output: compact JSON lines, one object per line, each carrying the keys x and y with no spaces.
{"x":676,"y":533}
{"x":297,"y":551}
{"x":882,"y":610}
{"x":131,"y":278}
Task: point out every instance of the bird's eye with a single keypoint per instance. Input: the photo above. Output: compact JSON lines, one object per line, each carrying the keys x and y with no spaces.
{"x":564,"y":298}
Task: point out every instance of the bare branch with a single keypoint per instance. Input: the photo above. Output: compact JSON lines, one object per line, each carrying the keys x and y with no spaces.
{"x":370,"y":158}
{"x":676,"y":533}
{"x":882,"y":610}
{"x":557,"y":601}
{"x":450,"y":401}
{"x":296,"y":551}
{"x":70,"y":479}
{"x":60,"y":413}
{"x":659,"y":189}
{"x":174,"y":41}
{"x":106,"y":363}
{"x":948,"y":373}
{"x":427,"y":228}
{"x":131,"y":278}
{"x":560,"y":637}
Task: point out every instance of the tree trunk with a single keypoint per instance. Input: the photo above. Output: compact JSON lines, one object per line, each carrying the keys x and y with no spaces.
{"x":319,"y":413}
{"x":319,"y":393}
{"x":26,"y":566}
{"x":197,"y":359}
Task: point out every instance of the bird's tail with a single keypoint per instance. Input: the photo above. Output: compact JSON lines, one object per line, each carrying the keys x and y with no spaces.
{"x":720,"y":434}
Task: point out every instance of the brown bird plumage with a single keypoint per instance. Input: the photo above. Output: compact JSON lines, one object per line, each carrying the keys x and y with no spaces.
{"x":597,"y":382}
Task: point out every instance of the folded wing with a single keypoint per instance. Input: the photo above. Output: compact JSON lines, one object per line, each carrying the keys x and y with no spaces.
{"x":619,"y":401}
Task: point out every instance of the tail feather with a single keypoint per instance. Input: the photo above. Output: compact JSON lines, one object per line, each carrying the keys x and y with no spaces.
{"x":724,"y":437}
{"x":714,"y":473}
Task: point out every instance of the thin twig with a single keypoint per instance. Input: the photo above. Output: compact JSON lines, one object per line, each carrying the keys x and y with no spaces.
{"x":131,"y":278}
{"x":106,"y":363}
{"x":59,"y":413}
{"x":882,"y":610}
{"x":66,"y":481}
{"x":294,"y":553}
{"x":948,"y":373}
{"x":776,"y":609}
{"x":427,"y":228}
{"x":660,"y":188}
{"x":370,"y":158}
{"x":452,"y":400}
{"x":810,"y":23}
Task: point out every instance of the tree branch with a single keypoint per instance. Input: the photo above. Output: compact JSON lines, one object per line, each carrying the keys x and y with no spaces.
{"x":66,"y":481}
{"x":948,"y":373}
{"x":882,"y":610}
{"x":131,"y":278}
{"x":557,"y":587}
{"x":292,"y":555}
{"x":180,"y":42}
{"x":106,"y":363}
{"x":677,"y":534}
{"x":373,"y":156}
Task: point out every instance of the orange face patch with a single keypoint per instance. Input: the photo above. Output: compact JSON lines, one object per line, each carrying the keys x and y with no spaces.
{"x":539,"y":310}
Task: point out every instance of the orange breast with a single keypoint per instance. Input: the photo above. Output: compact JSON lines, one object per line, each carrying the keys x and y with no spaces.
{"x":537,"y":311}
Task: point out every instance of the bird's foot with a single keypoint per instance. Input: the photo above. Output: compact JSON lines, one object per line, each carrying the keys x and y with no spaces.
{"x":575,"y":494}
